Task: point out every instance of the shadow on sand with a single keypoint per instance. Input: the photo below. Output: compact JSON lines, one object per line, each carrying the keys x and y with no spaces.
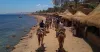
{"x":61,"y":50}
{"x":41,"y":49}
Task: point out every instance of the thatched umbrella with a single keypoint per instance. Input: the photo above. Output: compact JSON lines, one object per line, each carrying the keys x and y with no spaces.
{"x":94,"y":20}
{"x":95,"y":11}
{"x":67,"y":15}
{"x":94,"y":17}
{"x":79,"y":16}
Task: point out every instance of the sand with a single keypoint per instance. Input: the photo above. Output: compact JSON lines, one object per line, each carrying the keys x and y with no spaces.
{"x":29,"y":43}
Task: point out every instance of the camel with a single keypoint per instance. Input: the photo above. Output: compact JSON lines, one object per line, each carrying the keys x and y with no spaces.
{"x":40,"y":34}
{"x":61,"y":36}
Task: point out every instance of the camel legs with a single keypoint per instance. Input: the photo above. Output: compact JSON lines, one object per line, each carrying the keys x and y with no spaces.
{"x":39,"y":40}
{"x":42,"y":38}
{"x":61,"y":42}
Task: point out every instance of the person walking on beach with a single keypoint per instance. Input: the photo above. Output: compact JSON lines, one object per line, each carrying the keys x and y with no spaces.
{"x":60,"y":26}
{"x":73,"y":30}
{"x":47,"y":24}
{"x":54,"y":22}
{"x":41,"y":33}
{"x":57,"y":23}
{"x":42,"y":24}
{"x":50,"y":22}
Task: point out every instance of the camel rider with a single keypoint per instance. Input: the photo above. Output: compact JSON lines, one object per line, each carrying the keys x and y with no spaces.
{"x":41,"y":32}
{"x":42,"y":26}
{"x":61,"y":29}
{"x":61,"y":25}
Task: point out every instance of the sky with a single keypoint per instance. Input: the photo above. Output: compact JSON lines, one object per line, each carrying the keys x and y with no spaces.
{"x":18,"y":6}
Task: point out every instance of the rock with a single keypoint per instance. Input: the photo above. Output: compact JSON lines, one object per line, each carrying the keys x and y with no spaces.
{"x":30,"y":33}
{"x":30,"y":36}
{"x":47,"y":31}
{"x":8,"y":47}
{"x":13,"y":48}
{"x":13,"y":36}
{"x":23,"y":36}
{"x":25,"y":31}
{"x":21,"y":39}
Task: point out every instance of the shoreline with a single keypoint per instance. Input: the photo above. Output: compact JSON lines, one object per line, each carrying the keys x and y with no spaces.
{"x":29,"y":35}
{"x":29,"y":43}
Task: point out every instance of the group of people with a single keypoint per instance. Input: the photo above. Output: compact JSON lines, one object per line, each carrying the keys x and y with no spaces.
{"x":55,"y":23}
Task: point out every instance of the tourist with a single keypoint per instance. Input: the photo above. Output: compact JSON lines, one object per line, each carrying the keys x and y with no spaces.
{"x":42,"y":25}
{"x":41,"y":33}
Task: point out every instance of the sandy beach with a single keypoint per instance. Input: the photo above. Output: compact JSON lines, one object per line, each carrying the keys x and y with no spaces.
{"x":29,"y":43}
{"x":24,"y":40}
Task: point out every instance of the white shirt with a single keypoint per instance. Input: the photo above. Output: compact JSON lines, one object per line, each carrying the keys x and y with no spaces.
{"x":61,"y":25}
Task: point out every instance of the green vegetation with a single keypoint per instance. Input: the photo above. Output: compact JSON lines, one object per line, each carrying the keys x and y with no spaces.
{"x":72,"y":5}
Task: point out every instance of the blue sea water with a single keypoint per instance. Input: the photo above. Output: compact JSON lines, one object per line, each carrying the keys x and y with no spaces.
{"x":11,"y":24}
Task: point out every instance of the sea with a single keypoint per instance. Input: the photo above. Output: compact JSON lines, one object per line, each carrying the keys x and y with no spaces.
{"x":13,"y":27}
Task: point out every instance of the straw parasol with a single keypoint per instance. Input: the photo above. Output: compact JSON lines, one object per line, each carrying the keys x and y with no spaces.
{"x":67,"y":15}
{"x":67,"y":12}
{"x":94,"y":17}
{"x":94,"y":20}
{"x":95,"y":11}
{"x":79,"y":16}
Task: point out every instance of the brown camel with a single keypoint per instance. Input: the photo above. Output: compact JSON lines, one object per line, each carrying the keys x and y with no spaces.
{"x":40,"y":34}
{"x":61,"y":36}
